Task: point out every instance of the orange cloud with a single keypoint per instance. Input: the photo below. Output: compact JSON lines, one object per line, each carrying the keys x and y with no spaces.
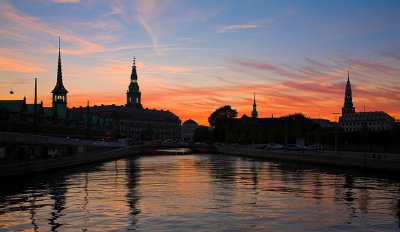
{"x":17,"y":65}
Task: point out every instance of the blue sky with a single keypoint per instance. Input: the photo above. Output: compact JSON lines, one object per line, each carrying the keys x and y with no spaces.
{"x":195,"y":56}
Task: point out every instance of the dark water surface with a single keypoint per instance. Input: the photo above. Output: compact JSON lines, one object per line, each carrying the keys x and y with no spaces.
{"x":200,"y":193}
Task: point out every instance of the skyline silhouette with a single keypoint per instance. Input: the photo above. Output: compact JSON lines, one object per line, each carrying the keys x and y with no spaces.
{"x":194,"y":57}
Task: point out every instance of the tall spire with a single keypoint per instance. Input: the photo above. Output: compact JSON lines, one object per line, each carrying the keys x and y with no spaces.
{"x":348,"y":98}
{"x":254,"y":113}
{"x":59,"y":70}
{"x":59,"y":91}
{"x":59,"y":85}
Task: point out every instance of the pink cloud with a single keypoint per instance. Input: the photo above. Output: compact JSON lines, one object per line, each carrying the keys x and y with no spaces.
{"x":362,"y":65}
{"x":18,"y":65}
{"x":237,"y":27}
{"x":248,"y":65}
{"x":392,"y":53}
{"x":66,"y":1}
{"x":21,"y":24}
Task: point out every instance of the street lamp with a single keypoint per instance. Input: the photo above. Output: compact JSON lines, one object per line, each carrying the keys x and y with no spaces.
{"x":335,"y":113}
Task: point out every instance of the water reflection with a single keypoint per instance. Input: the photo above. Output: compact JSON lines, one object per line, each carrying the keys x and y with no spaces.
{"x":132,"y":180}
{"x":201,"y":193}
{"x":57,"y":190}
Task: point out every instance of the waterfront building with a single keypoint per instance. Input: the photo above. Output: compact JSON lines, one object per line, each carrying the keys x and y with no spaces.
{"x":18,"y":111}
{"x":324,"y":123}
{"x":131,"y":120}
{"x":13,"y":110}
{"x":355,"y":121}
{"x":188,"y":129}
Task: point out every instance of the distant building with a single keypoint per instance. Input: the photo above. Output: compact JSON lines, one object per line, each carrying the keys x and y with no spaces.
{"x":132,"y":120}
{"x":325,"y":123}
{"x":254,"y":113}
{"x":188,"y":129}
{"x":17,"y":111}
{"x":355,"y":121}
{"x":59,"y":98}
{"x":133,"y":95}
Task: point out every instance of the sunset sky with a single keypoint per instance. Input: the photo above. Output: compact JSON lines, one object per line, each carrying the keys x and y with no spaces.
{"x":195,"y":56}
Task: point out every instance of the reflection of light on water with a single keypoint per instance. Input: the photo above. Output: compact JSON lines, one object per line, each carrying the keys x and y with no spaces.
{"x":214,"y":192}
{"x":176,"y":150}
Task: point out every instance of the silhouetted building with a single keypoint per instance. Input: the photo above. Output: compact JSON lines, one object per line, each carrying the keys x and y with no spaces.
{"x":133,"y":95}
{"x":348,"y":107}
{"x":131,"y":120}
{"x":13,"y":110}
{"x":122,"y":121}
{"x":325,"y":123}
{"x":355,"y":121}
{"x":59,"y":98}
{"x":19,"y":110}
{"x":188,"y":128}
{"x":254,"y":113}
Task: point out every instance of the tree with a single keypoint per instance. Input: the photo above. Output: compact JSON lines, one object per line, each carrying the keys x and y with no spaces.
{"x":201,"y":134}
{"x":222,"y":116}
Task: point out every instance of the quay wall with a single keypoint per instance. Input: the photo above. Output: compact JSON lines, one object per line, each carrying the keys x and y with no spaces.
{"x":52,"y":164}
{"x":362,"y":161}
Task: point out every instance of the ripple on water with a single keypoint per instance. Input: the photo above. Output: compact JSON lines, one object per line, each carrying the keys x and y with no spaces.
{"x":200,"y":193}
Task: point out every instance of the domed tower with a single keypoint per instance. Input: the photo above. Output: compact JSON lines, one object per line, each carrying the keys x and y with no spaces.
{"x":133,"y":95}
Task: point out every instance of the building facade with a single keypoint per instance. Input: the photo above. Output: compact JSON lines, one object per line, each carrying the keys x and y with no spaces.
{"x":355,"y":121}
{"x":132,"y":120}
{"x":129,"y":120}
{"x":188,"y":129}
{"x":36,"y":115}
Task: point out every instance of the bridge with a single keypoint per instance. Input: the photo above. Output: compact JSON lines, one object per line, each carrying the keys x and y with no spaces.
{"x":196,"y":148}
{"x":19,"y":146}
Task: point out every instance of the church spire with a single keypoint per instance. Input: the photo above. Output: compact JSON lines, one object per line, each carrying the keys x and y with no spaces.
{"x":133,"y":95}
{"x":348,"y":98}
{"x":59,"y":91}
{"x":59,"y":70}
{"x":254,"y":113}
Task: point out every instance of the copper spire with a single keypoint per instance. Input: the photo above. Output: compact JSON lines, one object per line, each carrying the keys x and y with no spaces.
{"x":59,"y":88}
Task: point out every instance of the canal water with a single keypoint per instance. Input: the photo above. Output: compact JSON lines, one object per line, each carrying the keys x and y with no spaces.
{"x":200,"y":193}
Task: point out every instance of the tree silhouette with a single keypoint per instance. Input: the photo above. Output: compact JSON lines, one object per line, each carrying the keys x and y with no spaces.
{"x":222,"y":116}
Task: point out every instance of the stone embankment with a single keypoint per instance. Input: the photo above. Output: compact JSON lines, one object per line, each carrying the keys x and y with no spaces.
{"x":362,"y":161}
{"x":58,"y":163}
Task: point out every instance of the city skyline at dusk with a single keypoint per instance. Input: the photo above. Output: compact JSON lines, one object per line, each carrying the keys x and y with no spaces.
{"x":195,"y":56}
